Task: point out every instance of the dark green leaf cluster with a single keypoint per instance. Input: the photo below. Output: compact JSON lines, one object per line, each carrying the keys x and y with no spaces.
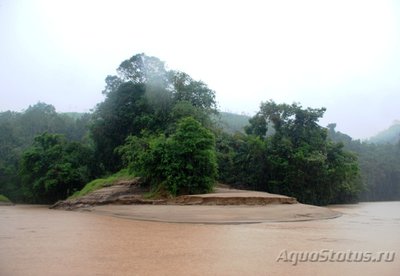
{"x":145,"y":97}
{"x":17,"y":132}
{"x":379,"y":164}
{"x":53,"y":168}
{"x":183,"y":163}
{"x":297,"y":160}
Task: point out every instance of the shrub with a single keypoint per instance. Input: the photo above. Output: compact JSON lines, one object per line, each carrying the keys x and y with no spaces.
{"x":184,"y":163}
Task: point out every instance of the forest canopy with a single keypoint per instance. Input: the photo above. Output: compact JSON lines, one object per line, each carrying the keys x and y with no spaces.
{"x":164,"y":126}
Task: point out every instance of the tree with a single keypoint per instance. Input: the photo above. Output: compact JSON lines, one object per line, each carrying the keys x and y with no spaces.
{"x":195,"y":92}
{"x":379,"y":166}
{"x":10,"y":143}
{"x":344,"y":174}
{"x":192,"y":161}
{"x":124,"y":112}
{"x":53,"y":168}
{"x":145,"y":97}
{"x":309,"y":167}
{"x":184,"y":163}
{"x":17,"y":133}
{"x":258,"y":126}
{"x":297,"y":160}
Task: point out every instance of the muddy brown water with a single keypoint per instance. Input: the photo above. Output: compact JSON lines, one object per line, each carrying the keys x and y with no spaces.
{"x":37,"y":241}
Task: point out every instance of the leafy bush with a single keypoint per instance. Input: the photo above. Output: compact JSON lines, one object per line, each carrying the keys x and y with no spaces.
{"x":184,"y":163}
{"x":53,"y":168}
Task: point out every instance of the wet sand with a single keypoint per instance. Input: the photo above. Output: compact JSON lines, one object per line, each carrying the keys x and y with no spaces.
{"x":38,"y":241}
{"x":218,"y":214}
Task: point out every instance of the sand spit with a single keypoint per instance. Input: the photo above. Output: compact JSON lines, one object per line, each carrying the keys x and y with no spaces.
{"x":133,"y":192}
{"x":225,"y":206}
{"x":206,"y":214}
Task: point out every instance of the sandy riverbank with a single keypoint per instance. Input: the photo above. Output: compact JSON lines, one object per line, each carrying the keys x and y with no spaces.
{"x":224,"y":206}
{"x":218,"y":214}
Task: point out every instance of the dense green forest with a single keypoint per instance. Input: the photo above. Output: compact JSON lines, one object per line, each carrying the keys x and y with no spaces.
{"x":164,"y":126}
{"x":379,"y":163}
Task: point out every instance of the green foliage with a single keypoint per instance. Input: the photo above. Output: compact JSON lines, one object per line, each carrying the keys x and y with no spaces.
{"x":184,"y":163}
{"x":17,"y":132}
{"x":124,"y":112}
{"x":242,"y":161}
{"x":43,"y":117}
{"x":231,"y":122}
{"x":185,"y":109}
{"x":10,"y":145}
{"x":99,"y":183}
{"x":344,"y":174}
{"x":195,"y":92}
{"x":144,"y":120}
{"x":379,"y":166}
{"x":53,"y":168}
{"x":145,"y":97}
{"x":258,"y":126}
{"x":4,"y":198}
{"x":297,"y":160}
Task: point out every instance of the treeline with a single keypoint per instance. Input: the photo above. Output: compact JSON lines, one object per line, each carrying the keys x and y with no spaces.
{"x":388,"y":136}
{"x":48,"y":156}
{"x":295,"y":159}
{"x":379,"y":162}
{"x":17,"y":133}
{"x":161,"y":125}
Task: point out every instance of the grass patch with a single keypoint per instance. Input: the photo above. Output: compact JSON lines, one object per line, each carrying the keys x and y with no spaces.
{"x":103,"y":182}
{"x":159,"y":192}
{"x":4,"y":199}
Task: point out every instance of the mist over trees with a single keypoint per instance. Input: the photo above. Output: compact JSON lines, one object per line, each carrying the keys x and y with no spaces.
{"x":164,"y":126}
{"x":145,"y":97}
{"x":297,"y":160}
{"x":379,"y":163}
{"x":17,"y":133}
{"x":388,"y":136}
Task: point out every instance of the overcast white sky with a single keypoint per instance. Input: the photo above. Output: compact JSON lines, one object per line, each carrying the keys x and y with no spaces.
{"x":343,"y":55}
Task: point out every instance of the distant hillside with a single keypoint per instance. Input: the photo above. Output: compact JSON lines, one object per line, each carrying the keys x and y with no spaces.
{"x":232,"y":122}
{"x":390,"y":135}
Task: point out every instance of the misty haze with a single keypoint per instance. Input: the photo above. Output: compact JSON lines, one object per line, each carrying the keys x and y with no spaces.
{"x":194,"y":137}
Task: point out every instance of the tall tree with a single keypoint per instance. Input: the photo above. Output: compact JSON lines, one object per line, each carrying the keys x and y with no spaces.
{"x":145,"y":97}
{"x":124,"y":112}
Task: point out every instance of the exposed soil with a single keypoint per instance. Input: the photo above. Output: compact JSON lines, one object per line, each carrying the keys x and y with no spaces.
{"x":123,"y":192}
{"x":126,"y":199}
{"x":228,"y":196}
{"x":133,"y":192}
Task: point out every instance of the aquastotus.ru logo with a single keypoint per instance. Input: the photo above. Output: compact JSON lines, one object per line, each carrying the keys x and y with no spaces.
{"x":328,"y":255}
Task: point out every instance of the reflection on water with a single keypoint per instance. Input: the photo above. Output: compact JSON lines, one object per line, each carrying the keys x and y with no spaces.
{"x":38,"y":241}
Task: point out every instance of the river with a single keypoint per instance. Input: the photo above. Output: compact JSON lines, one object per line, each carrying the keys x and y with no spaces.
{"x":37,"y":241}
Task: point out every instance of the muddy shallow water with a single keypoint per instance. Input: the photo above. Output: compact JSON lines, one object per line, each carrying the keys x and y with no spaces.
{"x":37,"y":241}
